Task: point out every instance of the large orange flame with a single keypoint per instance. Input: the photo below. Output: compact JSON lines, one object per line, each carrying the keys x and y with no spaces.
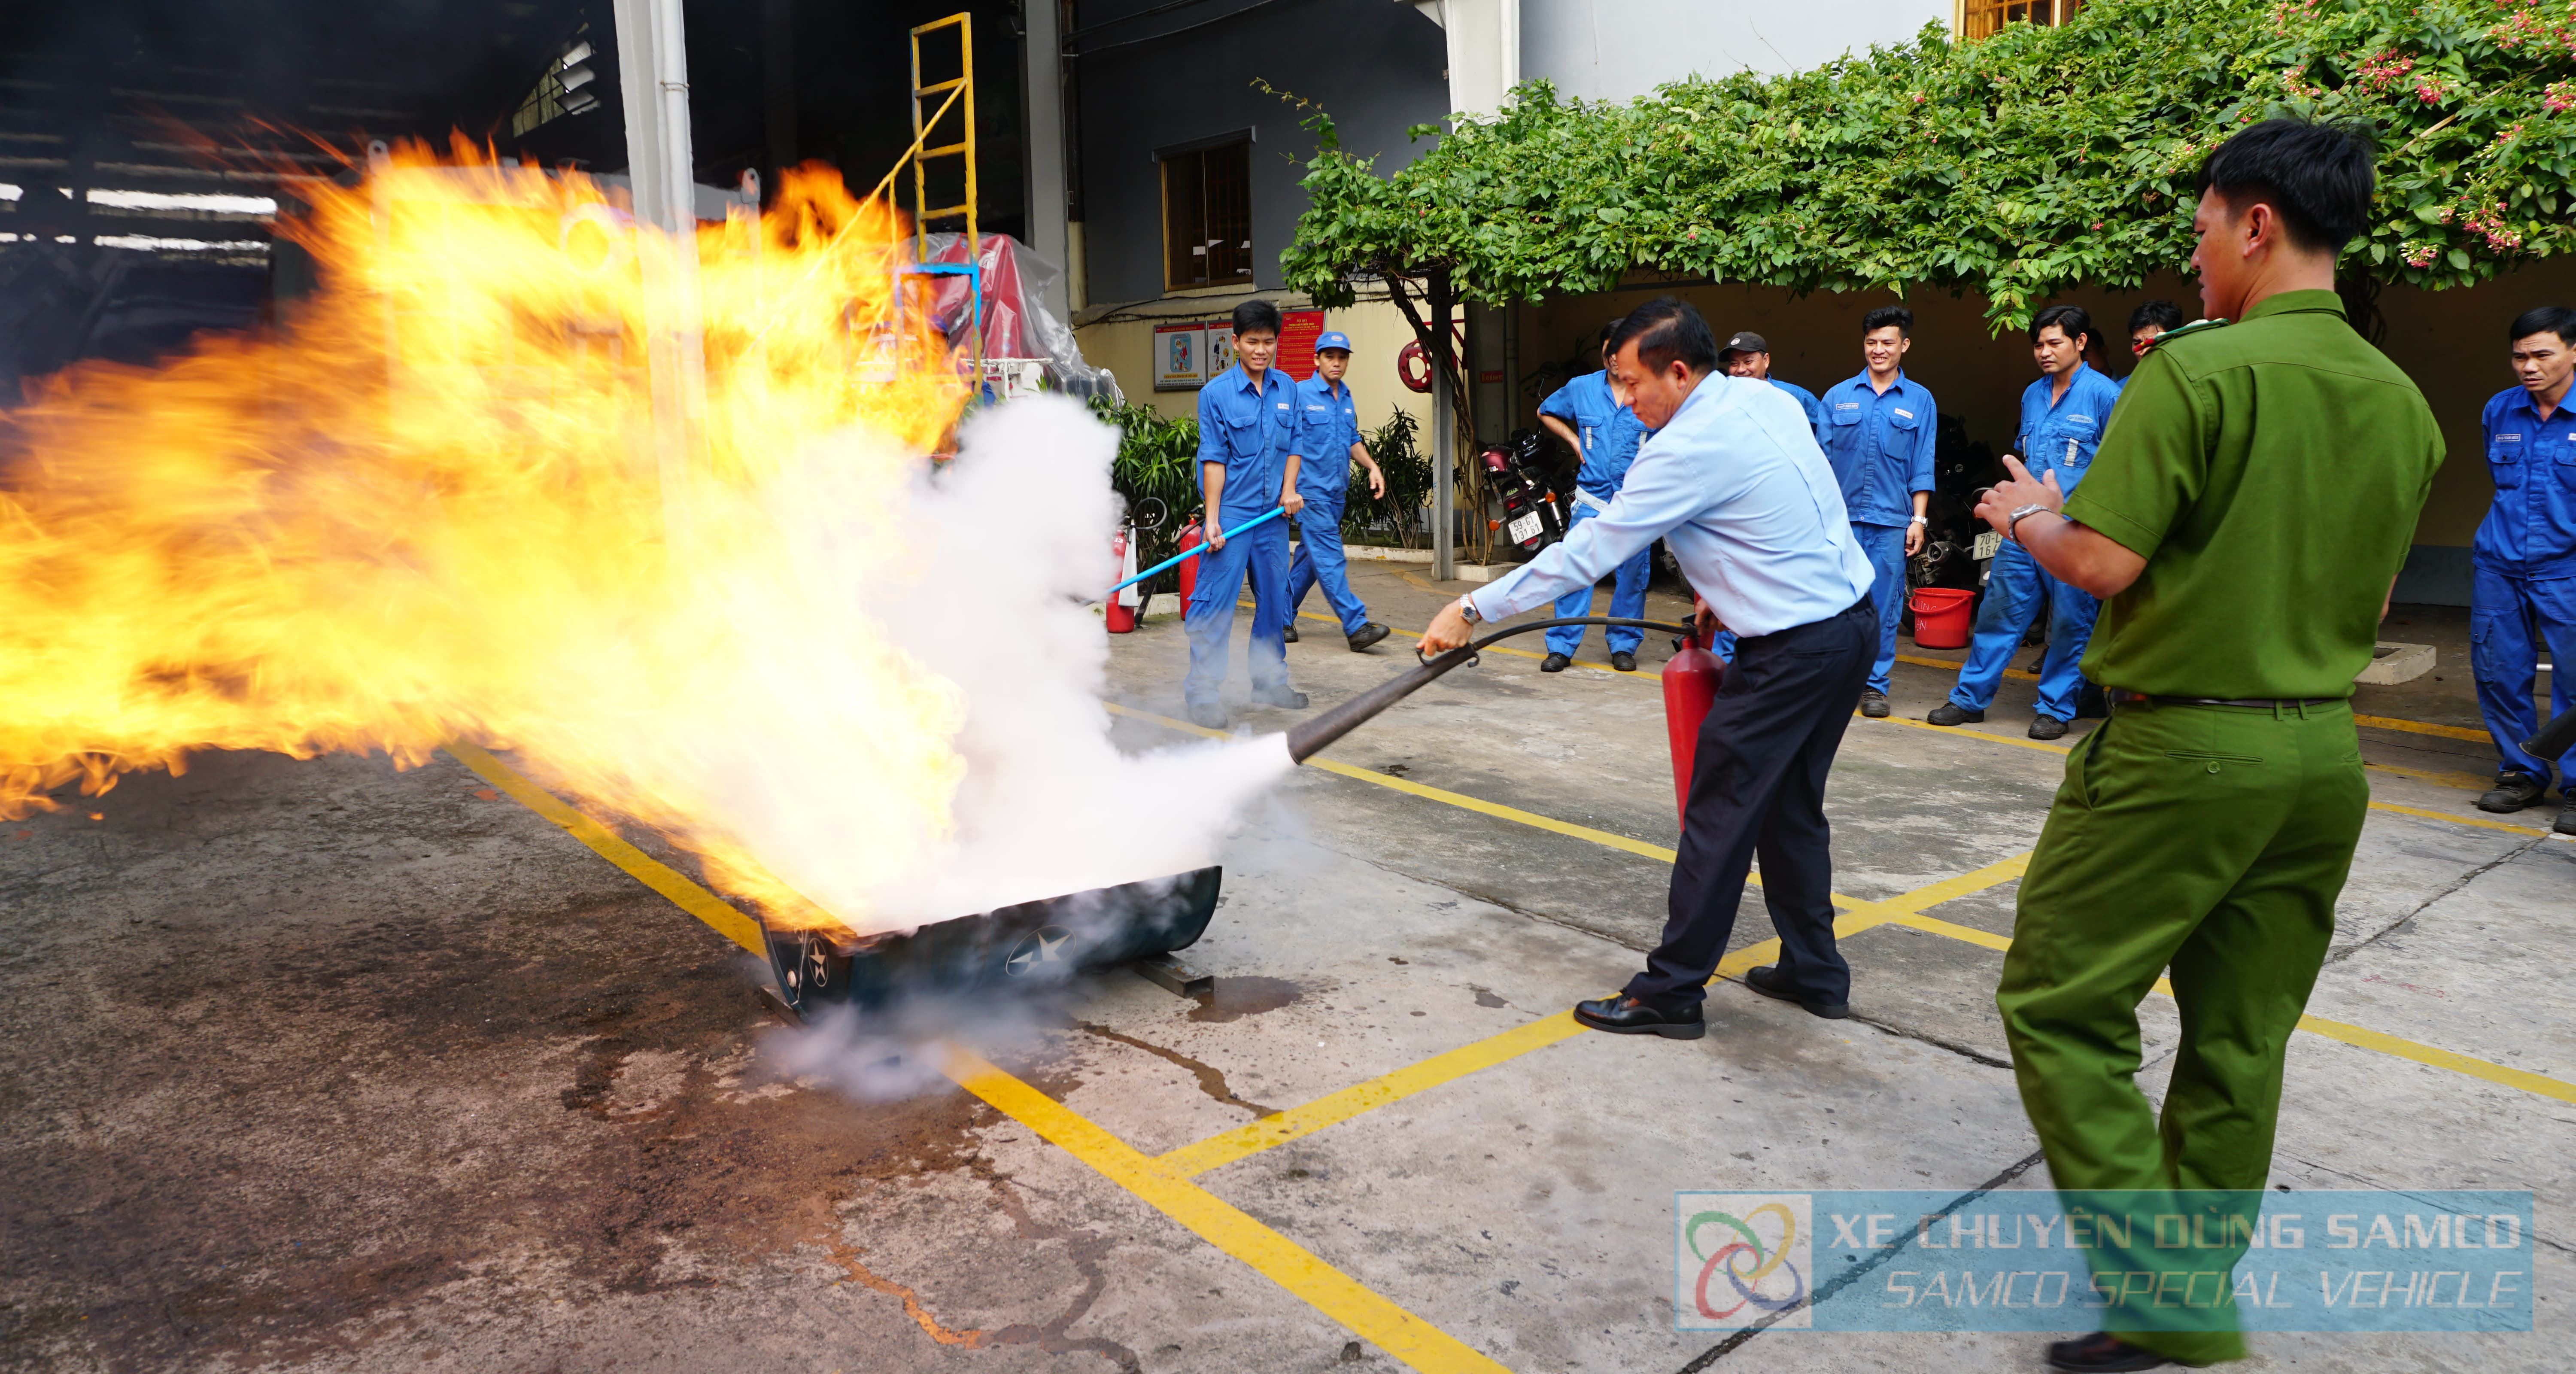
{"x":428,"y":506}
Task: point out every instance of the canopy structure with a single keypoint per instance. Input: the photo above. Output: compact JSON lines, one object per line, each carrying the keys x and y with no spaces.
{"x":2015,"y":166}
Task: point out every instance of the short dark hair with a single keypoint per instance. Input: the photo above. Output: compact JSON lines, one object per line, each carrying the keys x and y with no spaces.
{"x":2544,"y":319}
{"x":2071,"y":318}
{"x":2318,"y":176}
{"x":1256,"y":317}
{"x":2163,"y":315}
{"x":1664,"y":329}
{"x":1886,"y":315}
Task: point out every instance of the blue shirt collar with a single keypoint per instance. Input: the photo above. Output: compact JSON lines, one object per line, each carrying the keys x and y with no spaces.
{"x":1245,"y":378}
{"x":2522,"y":401}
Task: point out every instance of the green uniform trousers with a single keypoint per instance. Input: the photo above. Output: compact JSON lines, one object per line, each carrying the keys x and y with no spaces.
{"x":2211,"y":840}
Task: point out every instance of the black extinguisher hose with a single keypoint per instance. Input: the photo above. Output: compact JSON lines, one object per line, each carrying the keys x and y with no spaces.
{"x":1312,"y":735}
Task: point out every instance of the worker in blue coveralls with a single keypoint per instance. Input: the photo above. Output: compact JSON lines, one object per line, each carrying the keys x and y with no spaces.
{"x":1882,"y":429}
{"x":1326,"y":443}
{"x":2062,"y":415}
{"x":2523,"y":559}
{"x":1597,"y":424}
{"x":1246,"y":418}
{"x":1749,"y":355}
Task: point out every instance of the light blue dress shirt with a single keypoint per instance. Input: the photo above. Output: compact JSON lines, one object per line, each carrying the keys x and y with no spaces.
{"x":1816,"y":417}
{"x":1736,"y":487}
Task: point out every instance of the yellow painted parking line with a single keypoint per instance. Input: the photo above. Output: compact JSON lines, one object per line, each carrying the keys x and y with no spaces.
{"x":1296,"y":1123}
{"x":2424,"y":727}
{"x":1408,"y":1338}
{"x":2395,"y":810}
{"x":653,"y":873}
{"x":2017,"y":674}
{"x":2362,"y":1036}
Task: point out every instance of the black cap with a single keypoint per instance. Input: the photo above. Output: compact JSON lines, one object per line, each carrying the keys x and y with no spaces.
{"x":1745,"y":342}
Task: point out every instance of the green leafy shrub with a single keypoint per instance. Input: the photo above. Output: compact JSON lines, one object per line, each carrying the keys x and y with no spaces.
{"x":2017,"y":166}
{"x":1157,"y":471}
{"x":1396,"y":516}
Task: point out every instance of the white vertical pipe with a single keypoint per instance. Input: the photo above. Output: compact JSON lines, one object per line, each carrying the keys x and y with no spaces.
{"x":653,"y":74}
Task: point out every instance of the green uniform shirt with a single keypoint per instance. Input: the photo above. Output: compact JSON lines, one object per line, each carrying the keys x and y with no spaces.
{"x":2270,"y":472}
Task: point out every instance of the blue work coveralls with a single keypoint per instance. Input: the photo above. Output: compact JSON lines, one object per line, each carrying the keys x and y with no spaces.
{"x":2523,"y":561}
{"x":1247,"y":428}
{"x":1880,"y":446}
{"x":1328,"y":423}
{"x":2057,"y":436}
{"x":1610,"y":435}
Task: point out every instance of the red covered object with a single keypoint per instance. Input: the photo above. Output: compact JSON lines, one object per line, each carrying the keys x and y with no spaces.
{"x":1691,"y":680}
{"x":1006,"y":330}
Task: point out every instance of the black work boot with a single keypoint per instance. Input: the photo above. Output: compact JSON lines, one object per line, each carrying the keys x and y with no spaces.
{"x":1952,"y":713}
{"x":1624,"y":661}
{"x":1556,"y":663}
{"x":1367,"y":635}
{"x":2513,"y":791}
{"x":1283,"y":696}
{"x":1289,"y":634}
{"x":1874,"y":705}
{"x":2047,"y":727}
{"x":2102,"y":1353}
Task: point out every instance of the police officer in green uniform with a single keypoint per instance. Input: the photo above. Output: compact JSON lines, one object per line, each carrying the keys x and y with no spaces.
{"x":2254,"y":495}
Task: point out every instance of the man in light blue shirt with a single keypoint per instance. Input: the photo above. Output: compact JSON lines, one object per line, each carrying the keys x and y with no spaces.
{"x":1733,"y":483}
{"x":1603,"y":432}
{"x":2062,"y":415}
{"x":1327,"y":442}
{"x":1882,"y":428}
{"x":1246,"y":417}
{"x":1748,"y":354}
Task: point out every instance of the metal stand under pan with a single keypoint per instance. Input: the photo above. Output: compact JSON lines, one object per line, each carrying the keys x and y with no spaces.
{"x":1029,"y":945}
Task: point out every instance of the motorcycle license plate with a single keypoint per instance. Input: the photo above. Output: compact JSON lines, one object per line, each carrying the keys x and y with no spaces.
{"x":1987,"y":545}
{"x":1524,"y":529}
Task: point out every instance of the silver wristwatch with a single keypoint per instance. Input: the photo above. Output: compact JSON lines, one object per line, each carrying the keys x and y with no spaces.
{"x":1467,"y":608}
{"x":2012,"y":522}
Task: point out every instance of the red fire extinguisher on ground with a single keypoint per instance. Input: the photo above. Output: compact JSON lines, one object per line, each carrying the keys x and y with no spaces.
{"x":1191,"y":537}
{"x":1120,"y":613}
{"x":1691,"y":679}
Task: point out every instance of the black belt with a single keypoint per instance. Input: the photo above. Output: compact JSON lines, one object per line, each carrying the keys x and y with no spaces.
{"x":2121,"y":696}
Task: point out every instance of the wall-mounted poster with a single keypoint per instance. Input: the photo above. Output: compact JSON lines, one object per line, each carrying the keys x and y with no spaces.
{"x":1298,"y":330}
{"x":1220,"y":348}
{"x":1180,"y":356}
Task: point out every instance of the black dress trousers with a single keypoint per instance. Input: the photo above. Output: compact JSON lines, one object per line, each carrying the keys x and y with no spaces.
{"x":1758,"y":786}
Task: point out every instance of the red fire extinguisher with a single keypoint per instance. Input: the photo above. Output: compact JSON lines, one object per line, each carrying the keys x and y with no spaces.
{"x":1691,"y":679}
{"x":1120,"y":613}
{"x":1191,"y":537}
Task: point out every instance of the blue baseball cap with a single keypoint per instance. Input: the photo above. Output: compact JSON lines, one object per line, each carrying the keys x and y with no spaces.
{"x":1333,"y":338}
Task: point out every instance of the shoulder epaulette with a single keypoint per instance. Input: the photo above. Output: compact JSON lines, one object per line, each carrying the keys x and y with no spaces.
{"x":2195,"y":327}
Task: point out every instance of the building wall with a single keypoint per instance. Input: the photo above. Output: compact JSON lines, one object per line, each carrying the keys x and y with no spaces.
{"x":1377,"y":67}
{"x":1621,"y":49}
{"x":2451,"y":342}
{"x":1123,"y":342}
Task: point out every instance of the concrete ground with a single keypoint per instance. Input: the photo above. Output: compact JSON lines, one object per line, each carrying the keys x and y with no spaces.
{"x":320,"y":1066}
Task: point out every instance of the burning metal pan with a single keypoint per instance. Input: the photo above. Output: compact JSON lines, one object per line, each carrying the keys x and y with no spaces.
{"x":1014,"y":947}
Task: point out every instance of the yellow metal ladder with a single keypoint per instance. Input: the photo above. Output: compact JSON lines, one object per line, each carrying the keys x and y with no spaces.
{"x":964,"y":147}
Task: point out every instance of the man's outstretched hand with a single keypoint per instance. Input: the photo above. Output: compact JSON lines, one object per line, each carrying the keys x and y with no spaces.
{"x":1449,"y":630}
{"x":2015,"y":492}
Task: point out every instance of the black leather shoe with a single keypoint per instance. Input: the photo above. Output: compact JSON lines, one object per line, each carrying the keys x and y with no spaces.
{"x":2512,"y":792}
{"x":2566,"y":823}
{"x":1208,"y":714}
{"x":1288,"y":698}
{"x":1624,"y":661}
{"x":1556,"y":663}
{"x":1952,"y":713}
{"x":1623,"y":1015}
{"x":1764,"y":980}
{"x":1289,"y":635}
{"x":2103,"y":1353}
{"x":1874,"y":705}
{"x":1369,"y":634}
{"x":2047,"y":727}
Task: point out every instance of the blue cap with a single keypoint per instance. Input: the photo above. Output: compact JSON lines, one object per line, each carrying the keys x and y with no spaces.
{"x":1333,"y":338}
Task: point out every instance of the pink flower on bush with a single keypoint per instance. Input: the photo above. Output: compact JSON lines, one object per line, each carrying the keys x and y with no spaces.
{"x":2558,"y":97}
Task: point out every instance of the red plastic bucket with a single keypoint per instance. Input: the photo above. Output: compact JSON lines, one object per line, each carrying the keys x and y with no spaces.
{"x":1941,"y":617}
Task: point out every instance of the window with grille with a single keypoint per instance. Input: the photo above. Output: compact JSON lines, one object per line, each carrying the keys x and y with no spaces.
{"x":1207,"y":216}
{"x":1984,"y":18}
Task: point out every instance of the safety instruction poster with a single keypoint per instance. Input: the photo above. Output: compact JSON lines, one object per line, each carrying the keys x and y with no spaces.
{"x":1180,"y":356}
{"x":1298,"y":330}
